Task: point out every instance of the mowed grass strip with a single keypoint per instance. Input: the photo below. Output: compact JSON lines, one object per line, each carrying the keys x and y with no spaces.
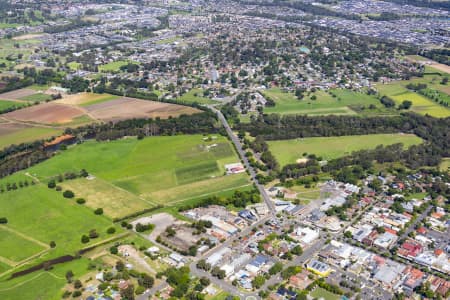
{"x":45,"y":215}
{"x":39,"y":97}
{"x":196,"y":172}
{"x":15,"y":247}
{"x":289,"y":151}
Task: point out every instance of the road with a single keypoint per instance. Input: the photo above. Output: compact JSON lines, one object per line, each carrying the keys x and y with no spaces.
{"x":238,"y":145}
{"x":419,"y":219}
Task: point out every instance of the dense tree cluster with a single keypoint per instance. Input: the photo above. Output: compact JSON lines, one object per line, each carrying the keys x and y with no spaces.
{"x":239,"y":199}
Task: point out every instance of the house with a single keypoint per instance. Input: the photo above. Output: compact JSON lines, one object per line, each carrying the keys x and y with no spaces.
{"x":319,"y":268}
{"x":410,"y":249}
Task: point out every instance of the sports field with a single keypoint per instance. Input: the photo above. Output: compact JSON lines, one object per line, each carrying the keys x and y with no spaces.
{"x":113,"y":66}
{"x":289,"y":151}
{"x":320,"y":293}
{"x":195,"y":95}
{"x":136,"y":174}
{"x":43,"y":217}
{"x":325,"y":103}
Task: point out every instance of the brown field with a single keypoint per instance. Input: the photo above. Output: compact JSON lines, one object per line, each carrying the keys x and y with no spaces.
{"x":127,"y":108}
{"x":17,"y":94}
{"x":47,"y":113}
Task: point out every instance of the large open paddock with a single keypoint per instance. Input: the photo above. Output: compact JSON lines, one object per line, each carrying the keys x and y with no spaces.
{"x":289,"y":151}
{"x":38,"y":215}
{"x":337,"y":102}
{"x":47,"y":113}
{"x":127,"y":108}
{"x":133,"y":174}
{"x":421,"y":104}
{"x":11,"y":133}
{"x":196,"y":95}
{"x":31,"y":286}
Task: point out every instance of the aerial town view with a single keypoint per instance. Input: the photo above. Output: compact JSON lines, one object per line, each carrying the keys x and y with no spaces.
{"x":224,"y":149}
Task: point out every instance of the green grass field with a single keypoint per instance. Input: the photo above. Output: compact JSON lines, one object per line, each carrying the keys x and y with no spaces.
{"x":320,"y":293}
{"x":27,"y":134}
{"x":398,"y":92}
{"x":11,"y":243}
{"x":42,"y":284}
{"x":422,"y":105}
{"x":5,"y":104}
{"x":325,"y":104}
{"x":113,"y":66}
{"x":288,"y":151}
{"x":42,"y":214}
{"x":137,"y":174}
{"x":39,"y":97}
{"x":196,"y":95}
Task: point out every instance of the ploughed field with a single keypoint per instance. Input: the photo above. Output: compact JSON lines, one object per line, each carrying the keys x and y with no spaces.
{"x":45,"y":120}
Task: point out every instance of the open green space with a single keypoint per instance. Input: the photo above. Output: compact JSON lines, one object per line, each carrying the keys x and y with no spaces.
{"x":320,"y":293}
{"x":42,"y":284}
{"x":15,"y":247}
{"x":73,"y":65}
{"x":27,"y":134}
{"x":155,"y":170}
{"x":421,"y":104}
{"x":289,"y":151}
{"x":337,"y":102}
{"x":39,"y":97}
{"x":5,"y":104}
{"x":45,"y":215}
{"x":445,"y":165}
{"x":195,"y":95}
{"x":113,"y":66}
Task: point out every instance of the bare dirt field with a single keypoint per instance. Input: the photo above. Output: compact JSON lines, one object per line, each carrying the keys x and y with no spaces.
{"x":17,"y":94}
{"x":126,"y":108}
{"x":47,"y":113}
